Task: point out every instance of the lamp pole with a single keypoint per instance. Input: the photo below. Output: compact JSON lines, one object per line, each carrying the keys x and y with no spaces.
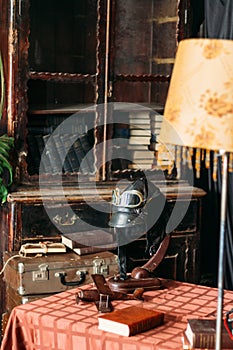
{"x":223,"y":213}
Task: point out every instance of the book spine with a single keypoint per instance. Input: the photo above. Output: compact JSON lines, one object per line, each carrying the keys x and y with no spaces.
{"x":87,"y":146}
{"x":71,"y":155}
{"x":45,"y":163}
{"x":80,"y":153}
{"x":145,"y":325}
{"x":52,"y":154}
{"x":204,"y":340}
{"x":62,"y":154}
{"x":207,"y":341}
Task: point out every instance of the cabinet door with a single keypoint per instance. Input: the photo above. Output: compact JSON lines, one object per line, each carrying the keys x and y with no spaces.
{"x":63,"y":57}
{"x":62,"y":53}
{"x":86,"y":52}
{"x":62,"y":60}
{"x":143,"y":41}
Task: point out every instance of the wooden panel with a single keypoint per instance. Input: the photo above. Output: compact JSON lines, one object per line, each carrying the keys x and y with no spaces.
{"x":140,"y":30}
{"x":182,"y":260}
{"x":36,"y":222}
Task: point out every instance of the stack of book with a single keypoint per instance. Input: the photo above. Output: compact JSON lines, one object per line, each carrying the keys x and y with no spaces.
{"x":62,"y":154}
{"x":42,"y":248}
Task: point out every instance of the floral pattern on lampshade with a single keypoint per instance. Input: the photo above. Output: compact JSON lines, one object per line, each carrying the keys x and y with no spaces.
{"x":216,"y":104}
{"x":173,"y":114}
{"x":212,"y":49}
{"x":199,"y":107}
{"x":204,"y":136}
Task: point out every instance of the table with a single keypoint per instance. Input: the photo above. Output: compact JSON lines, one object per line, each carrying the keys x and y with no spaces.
{"x":58,"y":323}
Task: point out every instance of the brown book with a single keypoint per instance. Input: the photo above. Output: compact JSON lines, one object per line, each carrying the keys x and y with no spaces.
{"x":85,"y":249}
{"x":201,"y":333}
{"x":93,"y":238}
{"x":130,"y":320}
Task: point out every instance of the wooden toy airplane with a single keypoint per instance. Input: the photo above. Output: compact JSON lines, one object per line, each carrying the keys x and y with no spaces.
{"x":103,"y":295}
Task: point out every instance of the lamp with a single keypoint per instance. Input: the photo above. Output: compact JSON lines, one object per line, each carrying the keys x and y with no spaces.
{"x":141,"y":208}
{"x":199,"y":114}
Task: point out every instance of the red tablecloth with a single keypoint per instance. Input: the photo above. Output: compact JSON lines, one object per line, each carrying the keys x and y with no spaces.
{"x":58,"y":323}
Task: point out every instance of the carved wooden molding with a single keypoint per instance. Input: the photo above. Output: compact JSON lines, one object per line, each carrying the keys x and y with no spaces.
{"x":59,"y":76}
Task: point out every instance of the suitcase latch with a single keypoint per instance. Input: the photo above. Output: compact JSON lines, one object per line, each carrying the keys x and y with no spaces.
{"x":42,"y":274}
{"x":100,"y":267}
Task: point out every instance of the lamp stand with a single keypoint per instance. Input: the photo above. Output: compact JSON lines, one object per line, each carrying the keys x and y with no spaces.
{"x":223,"y":214}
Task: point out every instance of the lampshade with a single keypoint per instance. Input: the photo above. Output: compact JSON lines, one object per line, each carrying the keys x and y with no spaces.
{"x":199,"y":107}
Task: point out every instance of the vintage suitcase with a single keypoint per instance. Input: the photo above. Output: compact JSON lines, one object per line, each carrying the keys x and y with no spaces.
{"x":54,"y":273}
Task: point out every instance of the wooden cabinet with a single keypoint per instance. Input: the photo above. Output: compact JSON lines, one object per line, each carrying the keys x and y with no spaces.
{"x":33,"y":216}
{"x":60,"y":58}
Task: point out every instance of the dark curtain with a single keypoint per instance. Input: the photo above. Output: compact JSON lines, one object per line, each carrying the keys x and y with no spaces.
{"x":218,"y":23}
{"x":206,"y":179}
{"x":197,"y":15}
{"x":219,"y":19}
{"x":228,"y":276}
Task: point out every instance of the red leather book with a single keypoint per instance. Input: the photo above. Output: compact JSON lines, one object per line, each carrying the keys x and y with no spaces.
{"x":130,"y":320}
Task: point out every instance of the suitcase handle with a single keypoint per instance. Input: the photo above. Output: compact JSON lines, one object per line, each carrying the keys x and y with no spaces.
{"x":63,"y":281}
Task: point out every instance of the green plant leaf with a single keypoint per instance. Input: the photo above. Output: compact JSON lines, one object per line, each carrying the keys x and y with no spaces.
{"x":7,"y":140}
{"x":6,"y":143}
{"x":5,"y":164}
{"x":4,"y":151}
{"x":3,"y":193}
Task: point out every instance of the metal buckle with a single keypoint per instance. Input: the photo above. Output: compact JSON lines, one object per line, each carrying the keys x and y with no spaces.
{"x":104,"y":303}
